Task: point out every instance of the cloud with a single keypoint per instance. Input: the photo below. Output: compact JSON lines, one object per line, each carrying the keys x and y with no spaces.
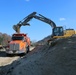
{"x":27,"y":0}
{"x":62,"y":19}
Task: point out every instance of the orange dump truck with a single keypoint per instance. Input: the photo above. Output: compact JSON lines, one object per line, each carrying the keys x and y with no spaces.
{"x":19,"y":43}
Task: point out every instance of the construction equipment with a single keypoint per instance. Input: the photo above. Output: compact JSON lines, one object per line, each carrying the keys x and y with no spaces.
{"x":64,"y":33}
{"x":20,"y":43}
{"x":57,"y":32}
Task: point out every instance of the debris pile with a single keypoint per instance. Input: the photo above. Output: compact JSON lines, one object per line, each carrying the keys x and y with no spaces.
{"x":46,"y":60}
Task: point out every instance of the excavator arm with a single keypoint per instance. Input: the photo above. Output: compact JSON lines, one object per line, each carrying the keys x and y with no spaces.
{"x":25,"y":21}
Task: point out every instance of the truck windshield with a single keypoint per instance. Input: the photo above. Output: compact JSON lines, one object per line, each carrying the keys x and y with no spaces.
{"x":17,"y":38}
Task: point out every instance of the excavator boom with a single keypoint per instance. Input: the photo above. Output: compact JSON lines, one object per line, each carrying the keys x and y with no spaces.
{"x":46,"y":20}
{"x":25,"y":21}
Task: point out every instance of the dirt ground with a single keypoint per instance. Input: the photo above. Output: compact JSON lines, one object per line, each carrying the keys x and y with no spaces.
{"x":46,"y":60}
{"x":5,"y":60}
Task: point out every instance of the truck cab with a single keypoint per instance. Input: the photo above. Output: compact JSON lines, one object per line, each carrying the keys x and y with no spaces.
{"x":20,"y":43}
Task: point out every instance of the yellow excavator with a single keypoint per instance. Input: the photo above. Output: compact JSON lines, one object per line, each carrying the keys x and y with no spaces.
{"x":57,"y":32}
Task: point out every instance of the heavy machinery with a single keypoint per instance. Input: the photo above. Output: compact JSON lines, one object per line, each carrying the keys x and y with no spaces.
{"x":57,"y":32}
{"x":20,"y":43}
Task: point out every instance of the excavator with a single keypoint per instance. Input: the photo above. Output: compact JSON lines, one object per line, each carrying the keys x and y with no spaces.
{"x":57,"y":32}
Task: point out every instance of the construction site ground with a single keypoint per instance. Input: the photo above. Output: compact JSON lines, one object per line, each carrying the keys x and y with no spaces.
{"x":59,"y":59}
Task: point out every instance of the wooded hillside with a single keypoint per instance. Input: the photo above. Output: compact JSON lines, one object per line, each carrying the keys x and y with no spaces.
{"x":4,"y":38}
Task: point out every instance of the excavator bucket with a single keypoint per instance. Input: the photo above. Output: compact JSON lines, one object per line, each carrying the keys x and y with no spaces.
{"x":17,"y":27}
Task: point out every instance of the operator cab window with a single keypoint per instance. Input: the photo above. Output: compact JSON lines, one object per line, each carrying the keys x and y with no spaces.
{"x":58,"y":31}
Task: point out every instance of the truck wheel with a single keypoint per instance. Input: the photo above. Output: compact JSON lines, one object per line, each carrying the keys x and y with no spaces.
{"x":27,"y":49}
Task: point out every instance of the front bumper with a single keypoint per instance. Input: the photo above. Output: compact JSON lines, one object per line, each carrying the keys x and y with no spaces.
{"x":15,"y":51}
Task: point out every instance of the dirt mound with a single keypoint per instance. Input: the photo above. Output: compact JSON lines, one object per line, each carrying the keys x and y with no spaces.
{"x":46,"y":60}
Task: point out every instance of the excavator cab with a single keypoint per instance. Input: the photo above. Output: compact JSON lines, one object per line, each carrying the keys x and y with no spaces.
{"x":58,"y":31}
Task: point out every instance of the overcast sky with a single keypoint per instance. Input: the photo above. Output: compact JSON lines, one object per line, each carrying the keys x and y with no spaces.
{"x":62,"y":12}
